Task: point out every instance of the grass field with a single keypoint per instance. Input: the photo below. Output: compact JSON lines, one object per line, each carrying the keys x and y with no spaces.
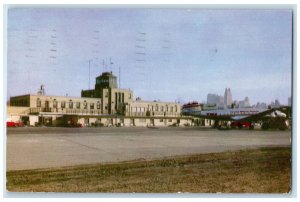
{"x":264,"y":170}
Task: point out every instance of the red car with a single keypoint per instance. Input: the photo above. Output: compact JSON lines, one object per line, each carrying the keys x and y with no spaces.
{"x":10,"y":124}
{"x":14,"y":124}
{"x":240,"y":124}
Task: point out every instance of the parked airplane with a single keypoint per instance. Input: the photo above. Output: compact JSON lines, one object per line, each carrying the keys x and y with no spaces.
{"x":245,"y":117}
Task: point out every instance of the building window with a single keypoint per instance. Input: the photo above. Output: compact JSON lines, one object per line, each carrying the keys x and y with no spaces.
{"x":63,"y":104}
{"x":70,"y":104}
{"x":119,"y":97}
{"x":171,"y":109}
{"x":98,"y":105}
{"x":156,"y":108}
{"x":161,"y":120}
{"x":85,"y":105}
{"x":106,"y":94}
{"x":162,"y":108}
{"x":38,"y":102}
{"x":91,"y":105}
{"x":78,"y":105}
{"x":175,"y":108}
{"x":54,"y":103}
{"x":170,"y":120}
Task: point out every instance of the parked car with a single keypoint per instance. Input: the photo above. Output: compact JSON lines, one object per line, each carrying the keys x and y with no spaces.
{"x":74,"y":124}
{"x":14,"y":124}
{"x":10,"y":124}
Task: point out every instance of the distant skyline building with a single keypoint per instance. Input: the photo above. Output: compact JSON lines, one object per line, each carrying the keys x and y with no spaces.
{"x":214,"y":99}
{"x":261,"y":105}
{"x":226,"y":102}
{"x":244,"y":103}
{"x":275,"y":104}
{"x":227,"y":98}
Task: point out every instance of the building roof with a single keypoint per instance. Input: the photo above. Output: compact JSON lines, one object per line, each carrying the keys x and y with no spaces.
{"x":106,"y":74}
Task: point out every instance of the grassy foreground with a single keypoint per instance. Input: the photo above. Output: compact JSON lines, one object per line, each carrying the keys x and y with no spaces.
{"x":265,"y":170}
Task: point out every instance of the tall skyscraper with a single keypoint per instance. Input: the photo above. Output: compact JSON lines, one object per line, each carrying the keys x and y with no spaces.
{"x":227,"y":98}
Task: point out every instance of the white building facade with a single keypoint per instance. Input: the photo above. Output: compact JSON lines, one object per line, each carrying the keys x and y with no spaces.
{"x":105,"y":105}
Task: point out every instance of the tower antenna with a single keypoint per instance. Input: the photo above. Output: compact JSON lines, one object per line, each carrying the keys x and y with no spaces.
{"x":89,"y":73}
{"x":119,"y":77}
{"x":111,"y":64}
{"x":103,"y":65}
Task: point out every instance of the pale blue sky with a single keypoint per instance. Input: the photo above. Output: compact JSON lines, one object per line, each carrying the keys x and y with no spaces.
{"x":165,"y":54}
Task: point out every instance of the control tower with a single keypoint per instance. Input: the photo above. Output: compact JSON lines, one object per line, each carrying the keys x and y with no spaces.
{"x":106,"y":80}
{"x":113,"y":99}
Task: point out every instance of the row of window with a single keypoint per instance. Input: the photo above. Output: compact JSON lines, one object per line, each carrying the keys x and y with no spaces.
{"x":106,"y":81}
{"x":70,"y":104}
{"x":162,"y":120}
{"x":156,"y":108}
{"x":21,"y":102}
{"x":119,"y":98}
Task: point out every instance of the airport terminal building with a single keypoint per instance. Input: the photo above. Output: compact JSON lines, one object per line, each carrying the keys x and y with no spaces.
{"x":105,"y":105}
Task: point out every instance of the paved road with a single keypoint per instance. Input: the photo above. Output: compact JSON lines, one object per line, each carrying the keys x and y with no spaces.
{"x":30,"y":148}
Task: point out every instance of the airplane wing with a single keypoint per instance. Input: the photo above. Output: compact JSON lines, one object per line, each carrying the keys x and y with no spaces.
{"x":259,"y":116}
{"x":212,"y":117}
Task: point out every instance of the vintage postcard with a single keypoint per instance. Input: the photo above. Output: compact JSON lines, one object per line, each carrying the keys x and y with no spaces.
{"x":149,"y":99}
